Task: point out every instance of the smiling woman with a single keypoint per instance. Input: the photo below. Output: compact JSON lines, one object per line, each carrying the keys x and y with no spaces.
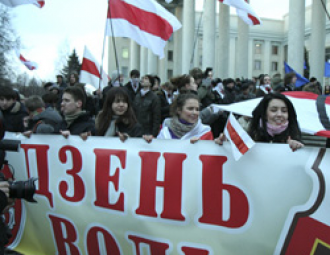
{"x":185,"y":123}
{"x":275,"y":120}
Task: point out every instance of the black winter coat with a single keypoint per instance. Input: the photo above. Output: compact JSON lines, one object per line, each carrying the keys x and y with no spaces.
{"x":148,"y":112}
{"x":84,"y":123}
{"x":13,"y":117}
{"x":135,"y":131}
{"x":3,"y":227}
{"x":164,"y":105}
{"x":131,"y":93}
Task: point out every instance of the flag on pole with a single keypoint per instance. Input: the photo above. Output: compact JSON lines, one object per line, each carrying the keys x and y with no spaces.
{"x":29,"y":64}
{"x":244,"y":11}
{"x":14,"y":3}
{"x":90,"y":71}
{"x":239,"y":139}
{"x":327,"y":69}
{"x":300,"y":79}
{"x":144,"y":21}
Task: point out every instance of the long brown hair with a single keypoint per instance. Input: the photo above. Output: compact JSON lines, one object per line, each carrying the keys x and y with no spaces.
{"x":105,"y":116}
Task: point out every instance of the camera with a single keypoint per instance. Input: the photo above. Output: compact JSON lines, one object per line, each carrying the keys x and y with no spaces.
{"x":17,"y":189}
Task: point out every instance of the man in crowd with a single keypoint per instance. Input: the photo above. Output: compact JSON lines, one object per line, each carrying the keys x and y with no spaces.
{"x":13,"y":111}
{"x":133,"y":87}
{"x":76,"y":120}
{"x":60,"y":82}
{"x":41,"y":120}
{"x":147,"y":108}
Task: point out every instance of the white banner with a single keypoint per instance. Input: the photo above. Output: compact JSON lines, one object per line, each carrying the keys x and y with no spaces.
{"x":102,"y":196}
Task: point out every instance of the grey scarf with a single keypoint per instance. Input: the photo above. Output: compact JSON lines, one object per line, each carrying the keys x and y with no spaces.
{"x":72,"y":117}
{"x":180,"y":129}
{"x":112,"y":129}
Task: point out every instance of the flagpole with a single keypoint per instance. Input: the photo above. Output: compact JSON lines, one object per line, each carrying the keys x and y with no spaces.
{"x":103,"y":47}
{"x":196,"y":37}
{"x":113,"y":39}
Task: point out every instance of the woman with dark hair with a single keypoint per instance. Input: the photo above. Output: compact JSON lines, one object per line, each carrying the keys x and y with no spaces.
{"x":117,"y":117}
{"x":185,"y":123}
{"x":289,"y":82}
{"x":275,"y":120}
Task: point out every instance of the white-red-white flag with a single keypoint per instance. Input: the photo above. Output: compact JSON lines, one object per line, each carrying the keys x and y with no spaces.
{"x":29,"y":64}
{"x":14,"y":3}
{"x":240,"y":140}
{"x":244,"y":11}
{"x":90,"y":71}
{"x":144,"y":21}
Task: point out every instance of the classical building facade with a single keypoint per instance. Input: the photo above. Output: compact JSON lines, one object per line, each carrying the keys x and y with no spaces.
{"x":214,"y":38}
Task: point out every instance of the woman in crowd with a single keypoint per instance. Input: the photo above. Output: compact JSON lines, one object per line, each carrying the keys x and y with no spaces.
{"x":185,"y":123}
{"x":274,"y":120}
{"x":289,"y":82}
{"x":117,"y":117}
{"x":265,"y":86}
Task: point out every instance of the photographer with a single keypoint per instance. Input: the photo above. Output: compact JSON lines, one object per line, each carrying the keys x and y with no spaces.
{"x":4,"y":195}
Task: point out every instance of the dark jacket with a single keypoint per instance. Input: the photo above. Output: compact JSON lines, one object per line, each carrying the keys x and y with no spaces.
{"x":230,"y":96}
{"x":135,"y":131}
{"x":164,"y":105}
{"x":131,"y":93}
{"x":13,"y":117}
{"x":3,"y":226}
{"x":45,"y":122}
{"x":83,"y":123}
{"x":148,"y":112}
{"x":242,"y":97}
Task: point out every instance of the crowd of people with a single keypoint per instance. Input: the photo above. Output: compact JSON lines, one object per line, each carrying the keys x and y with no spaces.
{"x":180,"y":108}
{"x":143,"y":107}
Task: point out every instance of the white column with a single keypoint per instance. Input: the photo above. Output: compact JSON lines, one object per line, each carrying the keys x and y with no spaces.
{"x":134,"y":56}
{"x":209,"y":34}
{"x":152,"y":64}
{"x":188,"y":32}
{"x":267,"y":52}
{"x":317,"y":52}
{"x":250,"y":65}
{"x":143,"y":60}
{"x":232,"y":60}
{"x":224,"y":39}
{"x":296,"y":34}
{"x":177,"y":40}
{"x":242,"y":59}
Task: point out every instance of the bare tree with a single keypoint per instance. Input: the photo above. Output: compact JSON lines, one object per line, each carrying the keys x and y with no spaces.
{"x":8,"y":42}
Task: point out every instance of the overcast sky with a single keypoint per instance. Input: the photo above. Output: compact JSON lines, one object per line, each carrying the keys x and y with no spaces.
{"x":62,"y":25}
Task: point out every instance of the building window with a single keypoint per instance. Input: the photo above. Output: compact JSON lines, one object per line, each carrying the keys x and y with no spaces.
{"x":169,"y":73}
{"x":257,"y":64}
{"x":274,"y":66}
{"x":124,"y":71}
{"x":258,"y":47}
{"x":170,"y":55}
{"x":286,"y":53}
{"x":125,"y":53}
{"x":327,"y":54}
{"x":274,"y":50}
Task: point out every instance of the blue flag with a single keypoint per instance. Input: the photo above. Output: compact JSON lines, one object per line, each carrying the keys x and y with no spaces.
{"x":300,"y":79}
{"x":327,"y":69}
